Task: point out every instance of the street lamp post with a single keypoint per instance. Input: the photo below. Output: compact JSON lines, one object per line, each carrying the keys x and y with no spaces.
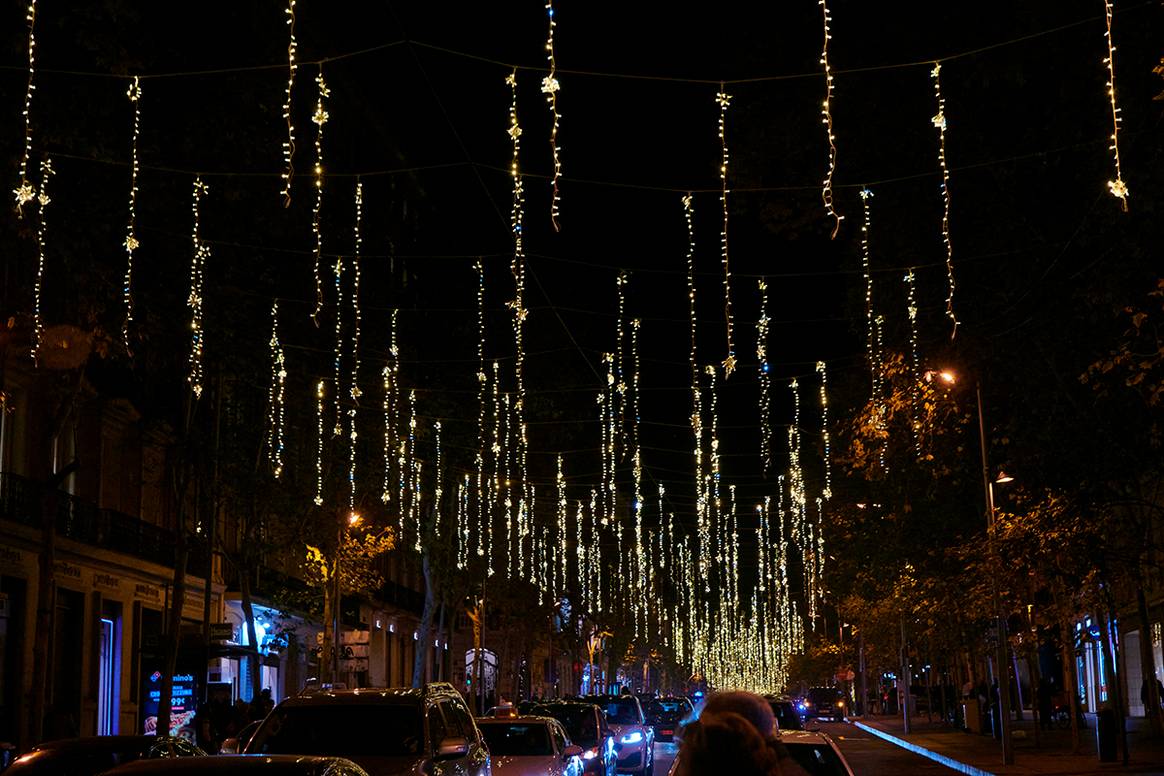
{"x":1002,"y":669}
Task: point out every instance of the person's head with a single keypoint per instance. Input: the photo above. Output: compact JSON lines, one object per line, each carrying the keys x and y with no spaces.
{"x":748,"y":705}
{"x":725,"y":742}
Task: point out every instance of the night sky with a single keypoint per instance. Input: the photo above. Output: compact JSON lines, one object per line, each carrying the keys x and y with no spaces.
{"x":420,"y":115}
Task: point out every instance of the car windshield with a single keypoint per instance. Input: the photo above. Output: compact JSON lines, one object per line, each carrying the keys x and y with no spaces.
{"x":817,"y":759}
{"x":362,"y":730}
{"x":514,"y":739}
{"x":580,"y":722}
{"x":621,"y":712}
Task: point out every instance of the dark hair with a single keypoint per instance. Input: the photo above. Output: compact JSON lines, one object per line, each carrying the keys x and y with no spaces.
{"x":725,"y":743}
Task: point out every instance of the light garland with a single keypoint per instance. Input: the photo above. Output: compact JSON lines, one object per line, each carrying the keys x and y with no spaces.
{"x":517,"y":267}
{"x":550,"y":88}
{"x":460,"y":534}
{"x":25,"y":191}
{"x":594,"y":557}
{"x":764,"y":370}
{"x":914,"y":363}
{"x":482,"y":395}
{"x":131,"y":242}
{"x":702,"y":526}
{"x":194,"y":300}
{"x":619,"y":395}
{"x":338,"y":272}
{"x":939,"y":121}
{"x":827,"y":120}
{"x":581,"y":555}
{"x":438,"y":488}
{"x":878,"y":335}
{"x":415,"y":465}
{"x":822,"y":370}
{"x":1117,"y":187}
{"x":867,"y":275}
{"x":496,"y":460}
{"x":354,"y":388}
{"x":641,"y":565}
{"x":320,"y":118}
{"x":563,"y":506}
{"x":723,"y":99}
{"x":319,"y":443}
{"x":46,"y":172}
{"x":289,"y":143}
{"x":276,"y":405}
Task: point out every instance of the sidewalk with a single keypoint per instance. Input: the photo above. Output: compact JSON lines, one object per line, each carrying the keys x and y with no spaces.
{"x":976,"y":754}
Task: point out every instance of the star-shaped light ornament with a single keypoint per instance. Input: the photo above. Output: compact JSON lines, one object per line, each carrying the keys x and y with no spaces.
{"x":1118,"y":189}
{"x":320,"y":116}
{"x":550,"y":85}
{"x":131,"y":243}
{"x":723,"y":99}
{"x":514,"y":131}
{"x":24,"y":194}
{"x":43,"y":198}
{"x":729,"y":365}
{"x":939,"y":120}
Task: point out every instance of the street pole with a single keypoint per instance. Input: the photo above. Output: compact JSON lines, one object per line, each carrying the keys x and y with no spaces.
{"x":335,"y":611}
{"x":1002,"y":668}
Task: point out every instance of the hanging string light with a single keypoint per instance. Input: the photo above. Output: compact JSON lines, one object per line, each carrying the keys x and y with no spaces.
{"x":354,"y":380}
{"x":550,"y":88}
{"x":517,"y":267}
{"x":276,"y":409}
{"x":822,"y":370}
{"x":46,"y":172}
{"x":563,"y":506}
{"x":641,"y":565}
{"x":827,"y":119}
{"x":194,"y":300}
{"x":1117,"y":187}
{"x":496,"y":462}
{"x":939,"y":121}
{"x":866,"y":273}
{"x":610,"y":463}
{"x":764,"y":370}
{"x":482,"y":389}
{"x":914,"y":364}
{"x":463,"y":523}
{"x":414,"y":464}
{"x":620,"y":369}
{"x":289,"y":143}
{"x":696,"y":396}
{"x":131,"y":242}
{"x":320,"y":118}
{"x":581,"y":557}
{"x":439,"y":488}
{"x":338,"y":273}
{"x":723,"y":99}
{"x":319,"y":444}
{"x":594,"y":557}
{"x":881,"y":410}
{"x":25,"y":191}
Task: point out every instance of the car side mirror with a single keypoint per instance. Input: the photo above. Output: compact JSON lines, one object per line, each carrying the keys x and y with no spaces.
{"x":571,"y":752}
{"x":229,"y":746}
{"x":453,"y":746}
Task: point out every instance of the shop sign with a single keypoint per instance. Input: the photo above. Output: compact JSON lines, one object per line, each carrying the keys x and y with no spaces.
{"x":106,"y":581}
{"x":182,"y":704}
{"x":68,"y":570}
{"x":146,"y":592}
{"x":10,"y":558}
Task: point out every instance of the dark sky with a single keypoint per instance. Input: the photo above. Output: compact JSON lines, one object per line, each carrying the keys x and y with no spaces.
{"x":425,"y":126}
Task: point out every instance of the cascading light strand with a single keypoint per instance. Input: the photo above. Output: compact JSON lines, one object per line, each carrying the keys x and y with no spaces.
{"x":338,"y":273}
{"x":1117,"y":187}
{"x":320,"y":118}
{"x":914,"y":363}
{"x":939,"y":121}
{"x":827,"y":490}
{"x":827,"y":120}
{"x":867,"y":274}
{"x":131,"y":242}
{"x":194,"y":299}
{"x":764,"y":370}
{"x":723,"y":99}
{"x":550,"y":88}
{"x":641,"y":566}
{"x":438,"y":487}
{"x":517,"y":268}
{"x":319,"y":395}
{"x":482,"y":399}
{"x":354,"y":379}
{"x":276,"y":398}
{"x":620,"y":368}
{"x":414,"y":463}
{"x":289,"y":143}
{"x":24,"y":191}
{"x":46,"y":172}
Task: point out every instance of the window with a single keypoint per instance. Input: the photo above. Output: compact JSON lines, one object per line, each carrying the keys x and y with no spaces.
{"x":341,"y":731}
{"x":559,"y":737}
{"x":458,"y":715}
{"x":437,"y":730}
{"x":517,"y":739}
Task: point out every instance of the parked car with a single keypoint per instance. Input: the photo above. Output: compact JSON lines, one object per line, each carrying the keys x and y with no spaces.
{"x":238,"y":743}
{"x":667,"y":716}
{"x":586,"y":725}
{"x":824,"y":703}
{"x":634,"y":739}
{"x":245,"y":765}
{"x":816,"y":753}
{"x":786,"y":713}
{"x":94,"y":754}
{"x":531,"y":746}
{"x":387,"y":732}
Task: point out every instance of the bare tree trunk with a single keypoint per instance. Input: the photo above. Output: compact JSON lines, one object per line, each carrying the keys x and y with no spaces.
{"x":425,"y":639}
{"x":327,"y":651}
{"x":174,"y":630}
{"x":1072,"y":683}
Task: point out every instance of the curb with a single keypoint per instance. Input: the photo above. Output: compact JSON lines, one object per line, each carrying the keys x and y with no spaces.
{"x":921,"y":750}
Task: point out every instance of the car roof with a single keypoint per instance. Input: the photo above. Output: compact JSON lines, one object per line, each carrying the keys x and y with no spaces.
{"x":363,"y":695}
{"x":226,"y":765}
{"x":527,"y":719}
{"x":804,"y":737}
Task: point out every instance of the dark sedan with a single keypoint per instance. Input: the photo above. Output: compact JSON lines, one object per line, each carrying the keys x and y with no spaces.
{"x":586,"y":725}
{"x":667,"y":716}
{"x":94,"y":754}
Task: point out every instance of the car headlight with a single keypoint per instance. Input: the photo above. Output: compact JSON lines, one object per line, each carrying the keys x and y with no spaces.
{"x":631,"y":738}
{"x":589,"y":754}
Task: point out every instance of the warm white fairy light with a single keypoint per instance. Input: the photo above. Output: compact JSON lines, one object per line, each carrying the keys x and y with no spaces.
{"x":939,"y":121}
{"x":496,"y":475}
{"x":580,"y":556}
{"x":439,"y":487}
{"x":391,"y":407}
{"x":914,"y":362}
{"x":1117,"y":187}
{"x":46,"y":172}
{"x":194,"y":300}
{"x":764,"y":372}
{"x":867,"y":274}
{"x":414,"y":464}
{"x":517,"y":267}
{"x":320,"y":118}
{"x":696,"y":395}
{"x":25,"y":191}
{"x":276,"y":406}
{"x":354,"y":380}
{"x":822,"y":370}
{"x":620,"y":367}
{"x":131,"y":242}
{"x":594,"y":557}
{"x":563,"y":507}
{"x":289,"y":143}
{"x":338,"y":272}
{"x":319,"y":443}
{"x":723,"y":99}
{"x":827,"y":120}
{"x":879,"y":389}
{"x":550,"y":88}
{"x":637,"y":471}
{"x":713,"y":443}
{"x":482,"y":395}
{"x":463,"y":523}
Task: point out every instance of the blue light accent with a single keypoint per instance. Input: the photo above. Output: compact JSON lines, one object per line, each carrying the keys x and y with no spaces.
{"x":938,"y":758}
{"x":551,"y":11}
{"x":764,"y":367}
{"x":632,"y":737}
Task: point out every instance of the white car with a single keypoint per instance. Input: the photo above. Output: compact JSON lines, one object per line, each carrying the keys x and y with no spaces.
{"x":530,"y":746}
{"x":634,"y":739}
